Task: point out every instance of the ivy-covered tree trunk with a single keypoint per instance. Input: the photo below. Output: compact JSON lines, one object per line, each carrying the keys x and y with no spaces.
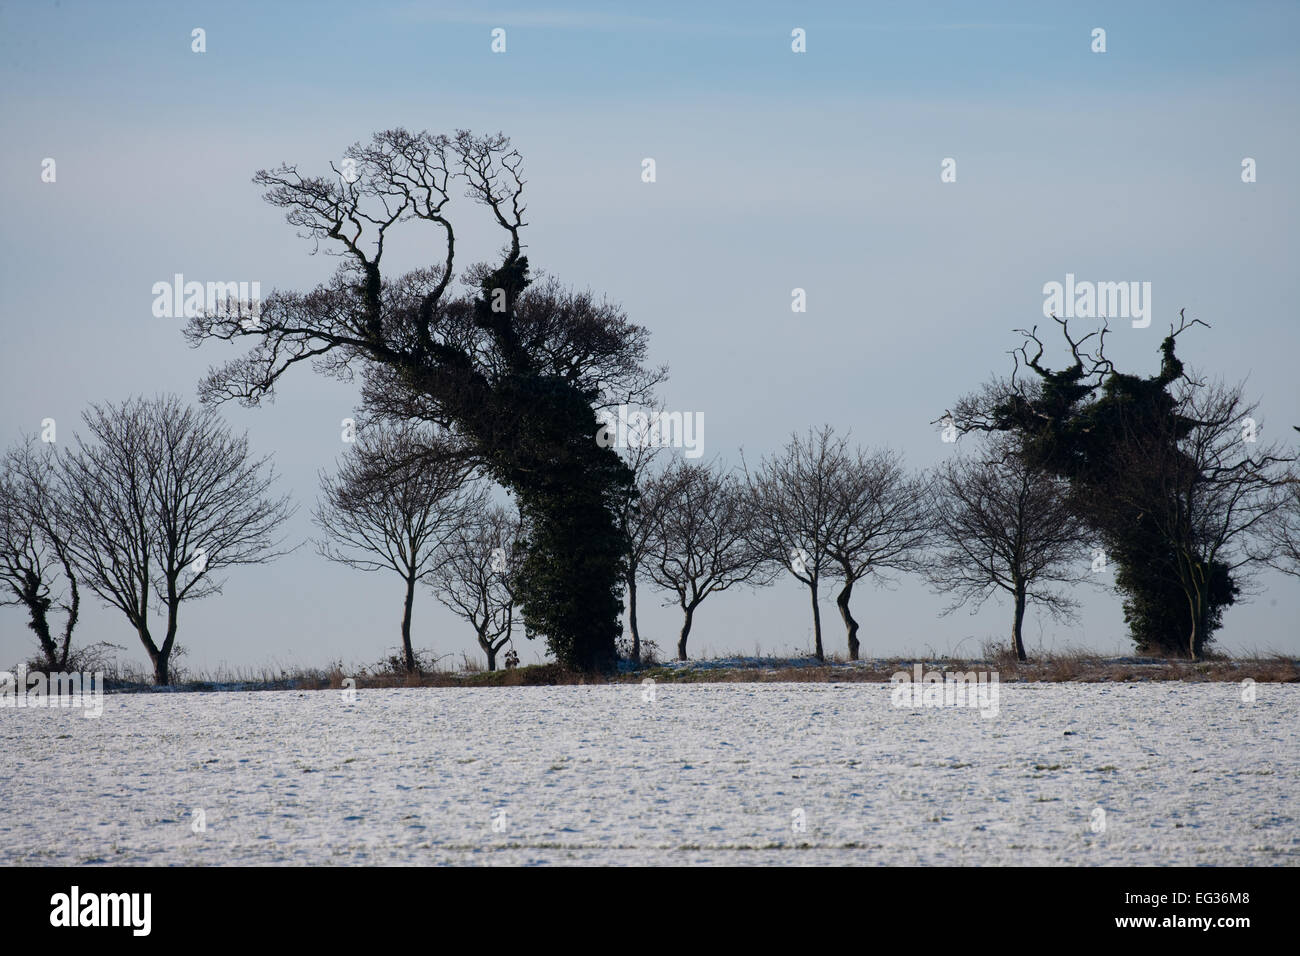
{"x":571,"y":578}
{"x":38,"y":606}
{"x":539,"y":435}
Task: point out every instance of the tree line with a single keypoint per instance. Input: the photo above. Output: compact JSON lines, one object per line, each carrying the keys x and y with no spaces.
{"x":159,"y":497}
{"x":494,"y":377}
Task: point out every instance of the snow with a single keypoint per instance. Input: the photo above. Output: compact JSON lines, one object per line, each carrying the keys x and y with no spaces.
{"x":1185,"y":773}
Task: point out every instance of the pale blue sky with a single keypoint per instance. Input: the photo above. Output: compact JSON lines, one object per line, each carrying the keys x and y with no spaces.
{"x":775,"y":170}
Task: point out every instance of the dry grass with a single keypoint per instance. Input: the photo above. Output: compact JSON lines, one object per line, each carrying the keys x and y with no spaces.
{"x":1063,"y":666}
{"x":1060,"y":666}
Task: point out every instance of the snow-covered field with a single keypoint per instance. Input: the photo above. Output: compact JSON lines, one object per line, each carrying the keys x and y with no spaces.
{"x":1149,"y":773}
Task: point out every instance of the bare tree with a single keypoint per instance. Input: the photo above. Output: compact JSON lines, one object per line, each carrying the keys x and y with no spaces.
{"x":476,"y":579}
{"x":161,"y":496}
{"x":792,"y":504}
{"x":1001,"y":525}
{"x":1284,"y":531}
{"x":702,"y":538}
{"x":880,"y":522}
{"x":399,"y":495}
{"x":35,"y":564}
{"x":638,"y":512}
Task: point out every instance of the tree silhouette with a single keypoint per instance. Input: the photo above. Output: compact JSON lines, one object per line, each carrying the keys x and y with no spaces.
{"x":35,"y":562}
{"x":881,"y":523}
{"x":703,"y":538}
{"x":1202,"y":481}
{"x":638,"y":514}
{"x":791,"y":505}
{"x":476,"y":580}
{"x":159,"y":497}
{"x":1076,"y":422}
{"x":514,"y":371}
{"x":1001,"y":525}
{"x":1284,"y":530}
{"x":399,"y":496}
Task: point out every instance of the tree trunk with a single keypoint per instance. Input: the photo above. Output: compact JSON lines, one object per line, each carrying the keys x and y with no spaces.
{"x":161,"y":673}
{"x":1199,"y":623}
{"x":406,"y":625}
{"x":849,"y":623}
{"x":161,"y":657}
{"x":38,"y":607}
{"x":817,"y":621}
{"x":162,"y":663}
{"x":74,"y":610}
{"x":485,"y":642}
{"x":686,"y":630}
{"x":571,"y":575}
{"x":39,"y":624}
{"x":1017,"y":639}
{"x":631,"y":619}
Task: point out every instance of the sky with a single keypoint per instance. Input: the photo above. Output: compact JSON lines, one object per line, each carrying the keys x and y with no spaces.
{"x":775,"y":170}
